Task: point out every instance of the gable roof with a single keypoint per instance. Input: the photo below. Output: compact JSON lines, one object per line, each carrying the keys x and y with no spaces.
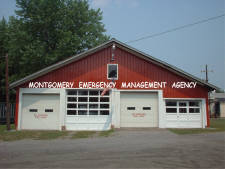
{"x":105,"y":45}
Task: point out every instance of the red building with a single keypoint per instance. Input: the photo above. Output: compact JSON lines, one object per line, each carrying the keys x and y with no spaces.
{"x":140,"y":91}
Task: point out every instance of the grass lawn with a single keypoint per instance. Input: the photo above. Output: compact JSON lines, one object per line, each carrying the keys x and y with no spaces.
{"x":216,"y":125}
{"x":47,"y":135}
{"x":83,"y":134}
{"x":88,"y":134}
{"x":106,"y":133}
{"x":25,"y":134}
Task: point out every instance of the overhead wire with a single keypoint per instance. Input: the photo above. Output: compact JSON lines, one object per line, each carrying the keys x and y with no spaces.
{"x":176,"y":28}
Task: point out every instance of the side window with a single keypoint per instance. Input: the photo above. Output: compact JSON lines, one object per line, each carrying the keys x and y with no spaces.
{"x":112,"y":71}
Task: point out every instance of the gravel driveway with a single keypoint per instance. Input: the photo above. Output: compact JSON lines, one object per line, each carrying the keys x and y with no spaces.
{"x":147,"y":148}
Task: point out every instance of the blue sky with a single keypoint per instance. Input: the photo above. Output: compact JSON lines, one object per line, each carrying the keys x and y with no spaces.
{"x":189,"y":49}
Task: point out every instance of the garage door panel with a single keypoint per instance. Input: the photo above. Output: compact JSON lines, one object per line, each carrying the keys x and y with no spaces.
{"x":40,"y":112}
{"x":183,"y":114}
{"x":139,"y":109}
{"x":186,"y":124}
{"x":87,"y":110}
{"x":195,"y":118}
{"x":183,"y":117}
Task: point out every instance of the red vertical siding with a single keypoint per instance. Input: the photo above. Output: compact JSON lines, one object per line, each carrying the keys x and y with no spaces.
{"x":131,"y":69}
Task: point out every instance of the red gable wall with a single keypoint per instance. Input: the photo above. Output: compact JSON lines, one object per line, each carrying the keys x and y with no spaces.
{"x":131,"y":69}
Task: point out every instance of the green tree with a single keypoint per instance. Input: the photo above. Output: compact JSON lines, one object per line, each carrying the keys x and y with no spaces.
{"x":4,"y":37}
{"x":44,"y":32}
{"x":57,"y":29}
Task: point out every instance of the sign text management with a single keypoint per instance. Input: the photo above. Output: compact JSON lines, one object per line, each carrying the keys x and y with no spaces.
{"x":102,"y":85}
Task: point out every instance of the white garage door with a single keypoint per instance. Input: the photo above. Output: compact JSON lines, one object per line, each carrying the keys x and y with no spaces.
{"x":183,"y":114}
{"x":139,"y":109}
{"x":87,"y":110}
{"x":40,"y":112}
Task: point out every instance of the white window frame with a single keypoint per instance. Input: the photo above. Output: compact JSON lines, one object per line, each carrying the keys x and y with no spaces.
{"x":108,"y":72}
{"x":88,"y":109}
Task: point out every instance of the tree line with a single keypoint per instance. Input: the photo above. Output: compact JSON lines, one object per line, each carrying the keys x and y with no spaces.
{"x":43,"y":32}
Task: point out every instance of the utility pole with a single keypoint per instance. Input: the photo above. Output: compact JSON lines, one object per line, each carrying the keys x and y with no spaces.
{"x":206,"y":73}
{"x":7,"y":92}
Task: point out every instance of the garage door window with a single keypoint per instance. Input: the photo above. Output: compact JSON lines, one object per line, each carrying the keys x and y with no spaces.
{"x":33,"y":110}
{"x":87,"y":103}
{"x":146,"y":108}
{"x":194,"y":110}
{"x":130,"y":108}
{"x":171,"y":106}
{"x":194,"y":107}
{"x":48,"y":110}
{"x":182,"y":106}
